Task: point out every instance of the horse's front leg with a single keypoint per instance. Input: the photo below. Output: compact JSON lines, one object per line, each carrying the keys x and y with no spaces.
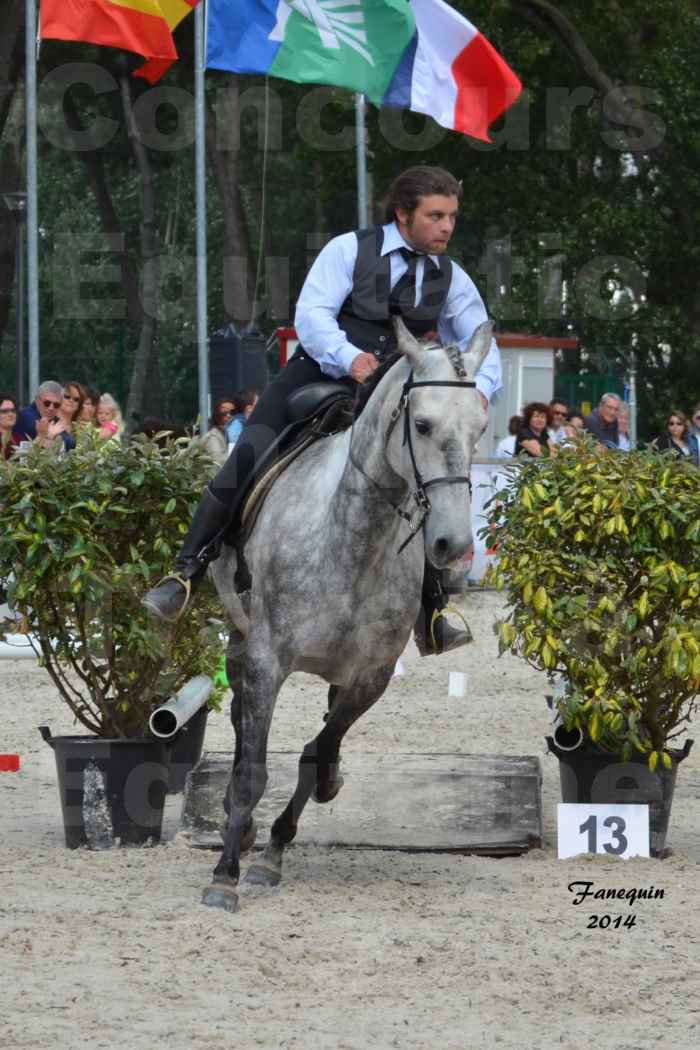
{"x":260,"y":686}
{"x":318,"y":768}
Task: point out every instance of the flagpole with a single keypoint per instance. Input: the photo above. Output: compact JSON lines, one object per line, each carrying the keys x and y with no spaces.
{"x":32,"y":198}
{"x":361,"y":160}
{"x":201,"y":217}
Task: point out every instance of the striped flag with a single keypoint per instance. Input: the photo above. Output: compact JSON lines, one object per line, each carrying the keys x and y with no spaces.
{"x":174,"y":11}
{"x":141,"y":26}
{"x":420,"y":55}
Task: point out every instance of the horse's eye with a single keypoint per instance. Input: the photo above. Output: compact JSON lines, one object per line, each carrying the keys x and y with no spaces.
{"x":423,"y":427}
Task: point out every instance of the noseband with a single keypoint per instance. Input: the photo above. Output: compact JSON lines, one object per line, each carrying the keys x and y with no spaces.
{"x":419,"y":494}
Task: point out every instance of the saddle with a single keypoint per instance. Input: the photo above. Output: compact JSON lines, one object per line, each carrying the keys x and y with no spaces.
{"x":314,"y":411}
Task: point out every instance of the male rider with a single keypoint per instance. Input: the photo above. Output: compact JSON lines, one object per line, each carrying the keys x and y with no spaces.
{"x":344,"y":323}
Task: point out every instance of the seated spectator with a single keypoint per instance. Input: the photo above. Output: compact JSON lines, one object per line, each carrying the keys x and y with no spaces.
{"x":676,"y":437}
{"x":73,"y":396}
{"x":215,"y":441}
{"x":109,"y":417}
{"x":88,"y":412}
{"x":623,"y":427}
{"x":8,"y":417}
{"x":694,"y":436}
{"x":558,"y":411}
{"x":573,"y":427}
{"x":602,"y":421}
{"x":40,"y":420}
{"x":244,"y":403}
{"x":533,"y":439}
{"x":506,"y":446}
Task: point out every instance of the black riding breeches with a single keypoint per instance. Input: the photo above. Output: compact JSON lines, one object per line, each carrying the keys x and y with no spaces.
{"x":259,"y":440}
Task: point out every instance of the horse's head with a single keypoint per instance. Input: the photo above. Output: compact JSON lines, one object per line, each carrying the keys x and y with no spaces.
{"x":432,"y":443}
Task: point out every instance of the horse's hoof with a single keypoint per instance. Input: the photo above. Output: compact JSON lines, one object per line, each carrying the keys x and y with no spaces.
{"x":220,"y":896}
{"x":263,"y":874}
{"x":328,"y":791}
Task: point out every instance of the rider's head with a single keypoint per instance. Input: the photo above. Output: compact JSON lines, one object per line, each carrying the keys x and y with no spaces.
{"x":414,"y":183}
{"x":423,"y":202}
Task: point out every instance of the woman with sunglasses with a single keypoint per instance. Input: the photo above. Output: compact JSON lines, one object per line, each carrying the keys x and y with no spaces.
{"x":8,"y":418}
{"x":676,"y":437}
{"x":41,"y":419}
{"x":215,"y":441}
{"x":72,"y":404}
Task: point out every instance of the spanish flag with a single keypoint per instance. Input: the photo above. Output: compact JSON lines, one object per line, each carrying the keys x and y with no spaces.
{"x":174,"y":11}
{"x":141,"y":26}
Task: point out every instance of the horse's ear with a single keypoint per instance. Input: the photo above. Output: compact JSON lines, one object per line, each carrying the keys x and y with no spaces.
{"x":477,"y":349}
{"x":408,"y":345}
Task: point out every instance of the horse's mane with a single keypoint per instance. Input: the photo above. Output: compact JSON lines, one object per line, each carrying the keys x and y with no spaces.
{"x":366,"y":389}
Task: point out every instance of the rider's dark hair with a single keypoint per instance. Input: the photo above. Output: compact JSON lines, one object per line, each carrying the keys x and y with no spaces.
{"x":414,"y":183}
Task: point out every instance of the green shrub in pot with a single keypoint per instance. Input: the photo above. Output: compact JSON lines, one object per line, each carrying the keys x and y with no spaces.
{"x":599,"y":556}
{"x":84,"y":536}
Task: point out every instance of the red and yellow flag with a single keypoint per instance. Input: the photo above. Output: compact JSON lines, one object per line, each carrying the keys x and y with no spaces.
{"x":174,"y":11}
{"x":142,"y":26}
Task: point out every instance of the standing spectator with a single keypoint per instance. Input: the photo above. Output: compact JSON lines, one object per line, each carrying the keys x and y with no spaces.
{"x":88,"y":412}
{"x":506,"y":446}
{"x":244,"y":403}
{"x":8,"y":417}
{"x":694,"y":436}
{"x":109,"y":417}
{"x":533,"y":439}
{"x":71,"y":406}
{"x":215,"y":441}
{"x":602,"y":421}
{"x":558,"y":411}
{"x":676,"y":437}
{"x":623,"y":427}
{"x":40,"y":420}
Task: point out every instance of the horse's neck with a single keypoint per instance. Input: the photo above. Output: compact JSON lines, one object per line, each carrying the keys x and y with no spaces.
{"x":369,"y":489}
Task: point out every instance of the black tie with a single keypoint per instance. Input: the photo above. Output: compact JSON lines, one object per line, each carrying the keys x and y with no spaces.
{"x":403,"y":295}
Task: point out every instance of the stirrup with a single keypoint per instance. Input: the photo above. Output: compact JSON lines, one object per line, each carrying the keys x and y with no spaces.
{"x":438,"y":613}
{"x":185,"y":582}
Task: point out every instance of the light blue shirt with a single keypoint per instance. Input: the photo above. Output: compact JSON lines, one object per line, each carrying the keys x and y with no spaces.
{"x":329,"y":282}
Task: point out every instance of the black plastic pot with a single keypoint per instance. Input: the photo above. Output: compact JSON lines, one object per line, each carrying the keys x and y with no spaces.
{"x":589,"y":775}
{"x":187,"y":750}
{"x":112,"y":791}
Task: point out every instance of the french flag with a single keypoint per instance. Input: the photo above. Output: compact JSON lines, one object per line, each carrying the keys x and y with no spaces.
{"x":450,"y":72}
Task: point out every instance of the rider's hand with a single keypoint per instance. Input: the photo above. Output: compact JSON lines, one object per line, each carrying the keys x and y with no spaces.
{"x":363,"y":366}
{"x":484,"y":401}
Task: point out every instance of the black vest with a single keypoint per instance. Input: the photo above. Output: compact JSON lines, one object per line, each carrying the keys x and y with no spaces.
{"x":365,"y":317}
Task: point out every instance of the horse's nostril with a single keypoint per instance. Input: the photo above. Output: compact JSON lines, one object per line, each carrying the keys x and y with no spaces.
{"x":442,"y":546}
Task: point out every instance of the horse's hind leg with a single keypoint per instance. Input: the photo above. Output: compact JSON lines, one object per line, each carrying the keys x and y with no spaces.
{"x":252,"y":716}
{"x":318,"y":768}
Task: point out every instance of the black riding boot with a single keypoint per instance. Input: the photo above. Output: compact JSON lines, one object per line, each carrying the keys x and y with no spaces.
{"x":432,"y":632}
{"x":171,"y":597}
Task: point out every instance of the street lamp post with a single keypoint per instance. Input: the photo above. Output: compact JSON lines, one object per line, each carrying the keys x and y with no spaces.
{"x":17,"y":204}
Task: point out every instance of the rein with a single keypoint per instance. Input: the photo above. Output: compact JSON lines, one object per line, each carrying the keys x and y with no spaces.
{"x":419,"y":494}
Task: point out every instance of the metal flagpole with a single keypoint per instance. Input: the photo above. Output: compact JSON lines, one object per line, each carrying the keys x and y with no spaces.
{"x":201,"y":216}
{"x":32,"y":197}
{"x":361,"y":155}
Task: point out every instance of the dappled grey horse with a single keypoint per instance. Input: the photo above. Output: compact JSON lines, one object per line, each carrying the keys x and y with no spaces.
{"x":335,"y":586}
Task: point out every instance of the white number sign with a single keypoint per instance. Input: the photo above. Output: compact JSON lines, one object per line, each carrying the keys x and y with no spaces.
{"x":615,"y":830}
